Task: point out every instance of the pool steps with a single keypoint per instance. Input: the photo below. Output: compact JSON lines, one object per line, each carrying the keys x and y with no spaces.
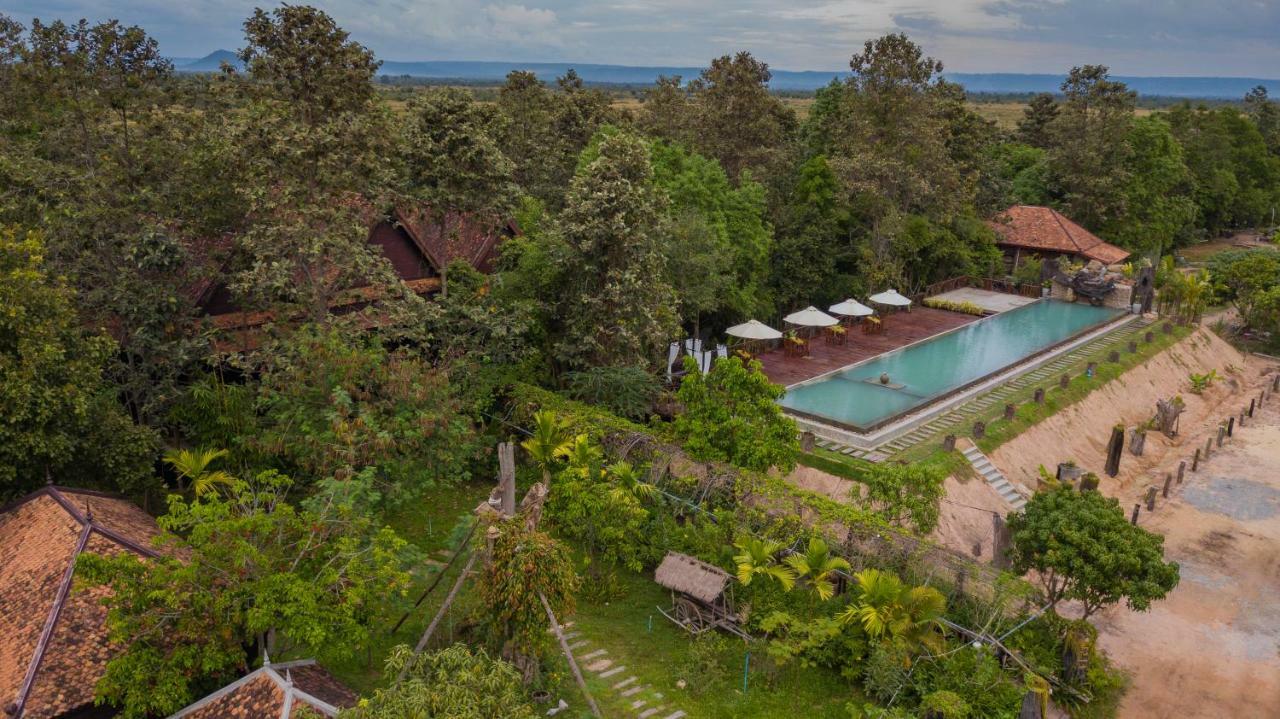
{"x":988,"y":471}
{"x":967,"y":412}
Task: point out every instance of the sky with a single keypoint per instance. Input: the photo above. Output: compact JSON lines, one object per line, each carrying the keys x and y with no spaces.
{"x":1133,"y":37}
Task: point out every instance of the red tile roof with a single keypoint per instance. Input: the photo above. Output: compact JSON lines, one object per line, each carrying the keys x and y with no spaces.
{"x":452,"y":235}
{"x":56,"y":646}
{"x":1045,"y":229}
{"x":275,"y":691}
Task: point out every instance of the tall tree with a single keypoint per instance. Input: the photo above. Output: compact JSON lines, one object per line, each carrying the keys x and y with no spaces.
{"x":1037,"y":117}
{"x":617,"y":308}
{"x":1159,"y":210}
{"x":1090,"y":155}
{"x":1265,"y":114}
{"x":731,"y":415}
{"x":452,"y":156}
{"x":667,"y":110}
{"x":62,"y":422}
{"x":456,"y":682}
{"x":312,"y":141}
{"x":737,"y":120}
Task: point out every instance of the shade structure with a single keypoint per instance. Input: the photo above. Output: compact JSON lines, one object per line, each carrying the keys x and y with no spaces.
{"x":891,"y":298}
{"x":811,"y":317}
{"x":851,"y":308}
{"x":753,"y":330}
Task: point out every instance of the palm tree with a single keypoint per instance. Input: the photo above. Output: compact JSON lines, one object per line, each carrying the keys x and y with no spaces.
{"x":818,"y":566}
{"x":584,"y":455}
{"x":886,"y":607}
{"x":627,"y":481}
{"x":193,"y":465}
{"x":758,"y":558}
{"x":550,"y":438}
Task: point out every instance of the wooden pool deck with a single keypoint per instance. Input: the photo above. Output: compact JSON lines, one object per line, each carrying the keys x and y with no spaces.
{"x":900,"y":329}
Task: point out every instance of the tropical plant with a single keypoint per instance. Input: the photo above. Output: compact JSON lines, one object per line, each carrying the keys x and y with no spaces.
{"x":629,"y":482}
{"x":887,"y":608}
{"x":759,"y":558}
{"x":1201,"y":382}
{"x":731,"y":415}
{"x":817,"y":566}
{"x":903,"y":494}
{"x":549,"y":441}
{"x":193,"y":466}
{"x":456,"y":682}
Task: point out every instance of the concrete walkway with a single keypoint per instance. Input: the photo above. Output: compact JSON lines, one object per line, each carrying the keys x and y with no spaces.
{"x":993,"y":302}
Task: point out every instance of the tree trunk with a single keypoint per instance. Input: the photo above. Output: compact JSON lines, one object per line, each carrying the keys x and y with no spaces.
{"x":448,"y":600}
{"x":573,"y":664}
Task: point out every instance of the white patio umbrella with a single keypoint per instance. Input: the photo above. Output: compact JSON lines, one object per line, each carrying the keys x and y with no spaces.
{"x":811,"y":317}
{"x":753,"y":330}
{"x":891,"y":298}
{"x":851,"y":308}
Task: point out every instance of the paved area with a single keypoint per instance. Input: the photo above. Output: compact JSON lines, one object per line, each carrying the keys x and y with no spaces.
{"x":990,"y":301}
{"x":900,"y":329}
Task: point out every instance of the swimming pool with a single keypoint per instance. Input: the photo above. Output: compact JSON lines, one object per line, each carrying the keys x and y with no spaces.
{"x":922,"y":373}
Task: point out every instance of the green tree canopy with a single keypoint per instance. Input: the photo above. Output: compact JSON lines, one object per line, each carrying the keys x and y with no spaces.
{"x":1242,"y":277}
{"x":243,"y":569}
{"x":62,"y":422}
{"x":903,"y":494}
{"x":1089,"y":156}
{"x":452,"y":155}
{"x":731,"y":415}
{"x":1084,"y":549}
{"x":454,"y":683}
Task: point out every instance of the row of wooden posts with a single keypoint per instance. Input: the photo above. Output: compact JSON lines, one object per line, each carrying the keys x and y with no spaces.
{"x":1226,"y":430}
{"x":1010,"y":410}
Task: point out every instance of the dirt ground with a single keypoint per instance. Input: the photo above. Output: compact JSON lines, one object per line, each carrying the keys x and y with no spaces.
{"x":1212,"y":647}
{"x":1081,"y":432}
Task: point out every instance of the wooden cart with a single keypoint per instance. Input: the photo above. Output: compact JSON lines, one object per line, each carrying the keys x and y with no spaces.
{"x":701,"y":595}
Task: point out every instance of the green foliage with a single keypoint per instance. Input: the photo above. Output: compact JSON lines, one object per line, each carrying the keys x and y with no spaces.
{"x":973,"y":677}
{"x":730,"y":415}
{"x":602,"y":508}
{"x":626,"y":391}
{"x":1159,"y":208}
{"x":241,"y":569}
{"x":525,"y":566}
{"x":890,"y":610}
{"x":193,"y":466}
{"x":967,"y":308}
{"x":61,"y":421}
{"x":816,"y":567}
{"x":820,"y":641}
{"x":1028,"y":271}
{"x":759,"y":558}
{"x":1089,"y":157}
{"x":903,"y":494}
{"x":943,"y":704}
{"x":1084,"y":549}
{"x":454,"y":683}
{"x":1244,"y":277}
{"x":550,"y":441}
{"x":616,"y":308}
{"x":1201,"y":382}
{"x":342,"y":408}
{"x":452,"y":156}
{"x":1235,"y":178}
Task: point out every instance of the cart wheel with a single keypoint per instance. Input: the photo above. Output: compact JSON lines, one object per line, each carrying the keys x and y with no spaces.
{"x":690,"y":615}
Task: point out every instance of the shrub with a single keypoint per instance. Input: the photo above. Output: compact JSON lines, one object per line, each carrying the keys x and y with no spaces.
{"x":967,"y":308}
{"x":626,"y":391}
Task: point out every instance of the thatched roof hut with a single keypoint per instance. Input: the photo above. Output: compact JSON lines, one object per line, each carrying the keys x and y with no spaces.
{"x":694,"y":577}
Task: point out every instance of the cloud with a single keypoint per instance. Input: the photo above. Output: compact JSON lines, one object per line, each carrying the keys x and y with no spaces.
{"x":1132,"y":36}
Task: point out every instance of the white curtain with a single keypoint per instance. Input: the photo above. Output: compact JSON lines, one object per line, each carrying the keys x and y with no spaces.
{"x":672,"y":353}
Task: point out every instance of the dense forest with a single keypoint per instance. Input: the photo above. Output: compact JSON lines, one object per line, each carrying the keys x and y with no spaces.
{"x":126,"y":187}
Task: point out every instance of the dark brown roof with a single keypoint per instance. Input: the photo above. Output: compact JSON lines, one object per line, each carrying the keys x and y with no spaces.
{"x":1045,"y":229}
{"x":275,"y":691}
{"x":448,"y":236}
{"x":55,"y":646}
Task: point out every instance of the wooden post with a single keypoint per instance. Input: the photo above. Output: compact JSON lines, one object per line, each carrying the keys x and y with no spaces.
{"x":1114,"y":448}
{"x":807,"y":440}
{"x":1195,"y":461}
{"x":1208,"y":447}
{"x":1151,"y":498}
{"x":1113,"y":356}
{"x":1167,"y":328}
{"x":949,"y":443}
{"x":1064,"y":381}
{"x":1275,"y":383}
{"x":1168,"y":480}
{"x":1222,"y":432}
{"x":507,"y":477}
{"x":979,"y":429}
{"x":999,"y":541}
{"x":568,"y":654}
{"x":1009,"y":411}
{"x":1252,"y":402}
{"x":1137,"y":441}
{"x":1090,"y":369}
{"x":1134,"y":519}
{"x":1182,"y":470}
{"x":1149,"y":337}
{"x":1039,"y":395}
{"x":1133,"y":347}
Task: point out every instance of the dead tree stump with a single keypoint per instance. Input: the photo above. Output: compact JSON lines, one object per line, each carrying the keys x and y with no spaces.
{"x":1137,"y":441}
{"x":1114,"y":448}
{"x":1182,"y":470}
{"x":949,"y":443}
{"x":1039,"y":395}
{"x":1113,"y":356}
{"x":1009,"y":411}
{"x":979,"y":429}
{"x":1222,"y":434}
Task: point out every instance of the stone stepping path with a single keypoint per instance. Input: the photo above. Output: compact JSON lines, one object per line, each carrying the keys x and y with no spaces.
{"x":642,"y":700}
{"x":995,"y":478}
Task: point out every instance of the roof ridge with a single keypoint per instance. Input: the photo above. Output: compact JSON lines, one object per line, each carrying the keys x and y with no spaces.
{"x":46,"y":632}
{"x":1058,"y":218}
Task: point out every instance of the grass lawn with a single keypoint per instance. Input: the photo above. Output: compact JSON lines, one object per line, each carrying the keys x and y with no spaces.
{"x":660,"y":654}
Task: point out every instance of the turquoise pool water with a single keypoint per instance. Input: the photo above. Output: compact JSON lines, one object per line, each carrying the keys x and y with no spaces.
{"x":935,"y":367}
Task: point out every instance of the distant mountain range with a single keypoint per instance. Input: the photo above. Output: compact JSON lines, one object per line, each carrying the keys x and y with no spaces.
{"x":1192,"y":87}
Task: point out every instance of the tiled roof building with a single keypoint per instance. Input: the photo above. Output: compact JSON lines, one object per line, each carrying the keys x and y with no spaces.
{"x":276,"y":691}
{"x":1045,"y":231}
{"x":55,"y":645}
